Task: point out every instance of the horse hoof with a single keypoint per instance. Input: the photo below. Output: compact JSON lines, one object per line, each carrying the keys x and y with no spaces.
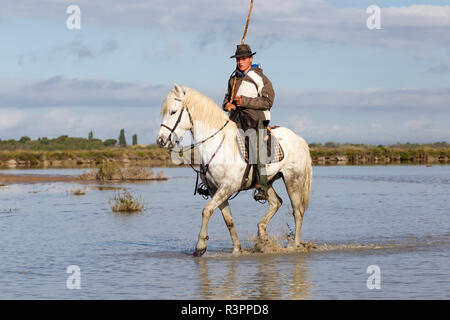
{"x":236,"y":252}
{"x":199,"y":253}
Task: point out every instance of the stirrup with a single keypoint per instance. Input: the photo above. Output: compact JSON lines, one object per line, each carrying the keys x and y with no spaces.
{"x":203,"y":191}
{"x":260,"y":195}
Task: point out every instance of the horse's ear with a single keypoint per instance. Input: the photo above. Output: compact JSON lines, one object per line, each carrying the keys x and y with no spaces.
{"x":179,"y":92}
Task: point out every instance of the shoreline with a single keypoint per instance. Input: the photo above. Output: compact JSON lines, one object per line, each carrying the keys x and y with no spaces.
{"x":320,"y":161}
{"x":6,"y":179}
{"x":157,"y":157}
{"x":16,"y":178}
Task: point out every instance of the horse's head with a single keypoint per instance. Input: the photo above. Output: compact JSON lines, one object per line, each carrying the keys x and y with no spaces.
{"x":176,"y":119}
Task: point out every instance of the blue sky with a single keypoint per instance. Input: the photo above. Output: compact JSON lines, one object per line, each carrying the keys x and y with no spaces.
{"x":335,"y":80}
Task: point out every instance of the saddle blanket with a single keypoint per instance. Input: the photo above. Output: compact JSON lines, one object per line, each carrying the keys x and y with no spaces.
{"x":275,"y":152}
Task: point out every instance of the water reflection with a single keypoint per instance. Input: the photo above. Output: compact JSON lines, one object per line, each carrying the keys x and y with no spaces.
{"x":256,"y":277}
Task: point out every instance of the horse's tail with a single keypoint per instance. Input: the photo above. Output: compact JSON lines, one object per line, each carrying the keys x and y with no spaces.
{"x":300,"y":171}
{"x":307,"y":180}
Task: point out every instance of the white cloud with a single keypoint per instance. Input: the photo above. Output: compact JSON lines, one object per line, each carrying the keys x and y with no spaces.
{"x":420,"y":123}
{"x":76,"y":49}
{"x":60,"y":91}
{"x":306,"y":20}
{"x":418,"y":15}
{"x":323,"y":128}
{"x":317,"y":131}
{"x":371,"y":98}
{"x":11,"y":118}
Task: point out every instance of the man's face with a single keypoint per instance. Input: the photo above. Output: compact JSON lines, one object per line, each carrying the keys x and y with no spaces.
{"x":244,"y":63}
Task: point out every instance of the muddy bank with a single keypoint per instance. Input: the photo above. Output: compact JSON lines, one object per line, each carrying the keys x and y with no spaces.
{"x":375,"y":160}
{"x":157,"y":157}
{"x":147,"y":157}
{"x":6,"y":179}
{"x":368,"y":155}
{"x":87,"y":177}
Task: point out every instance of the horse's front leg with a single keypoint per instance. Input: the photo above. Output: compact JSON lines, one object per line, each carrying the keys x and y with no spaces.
{"x":217,"y":199}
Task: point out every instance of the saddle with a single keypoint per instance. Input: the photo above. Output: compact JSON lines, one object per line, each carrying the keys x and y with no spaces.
{"x":275,"y":152}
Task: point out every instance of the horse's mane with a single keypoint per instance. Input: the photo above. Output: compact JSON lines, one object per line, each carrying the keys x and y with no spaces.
{"x":205,"y":109}
{"x":202,"y":108}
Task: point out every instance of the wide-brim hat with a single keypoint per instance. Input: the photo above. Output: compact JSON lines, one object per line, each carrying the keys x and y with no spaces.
{"x":243,"y":50}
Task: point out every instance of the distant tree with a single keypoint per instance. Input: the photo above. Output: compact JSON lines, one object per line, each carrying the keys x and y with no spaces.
{"x":24,"y":139}
{"x":330,"y":144}
{"x":134,"y":139}
{"x":110,"y":142}
{"x":90,"y":136}
{"x":122,"y":140}
{"x":62,"y":139}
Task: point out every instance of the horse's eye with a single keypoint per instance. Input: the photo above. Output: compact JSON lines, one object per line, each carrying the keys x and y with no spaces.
{"x":172,"y":113}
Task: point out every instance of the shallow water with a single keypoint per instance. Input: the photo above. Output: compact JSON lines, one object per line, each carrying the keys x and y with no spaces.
{"x":394,"y":217}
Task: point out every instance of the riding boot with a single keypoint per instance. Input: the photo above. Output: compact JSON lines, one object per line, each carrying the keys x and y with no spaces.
{"x":261,"y":186}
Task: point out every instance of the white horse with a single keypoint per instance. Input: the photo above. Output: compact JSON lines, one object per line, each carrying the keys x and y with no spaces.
{"x":214,"y":136}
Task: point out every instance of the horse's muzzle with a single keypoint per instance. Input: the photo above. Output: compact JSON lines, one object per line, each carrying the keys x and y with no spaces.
{"x":160,"y":141}
{"x":164,"y":144}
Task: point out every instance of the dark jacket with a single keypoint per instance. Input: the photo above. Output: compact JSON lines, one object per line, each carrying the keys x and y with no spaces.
{"x":256,"y":91}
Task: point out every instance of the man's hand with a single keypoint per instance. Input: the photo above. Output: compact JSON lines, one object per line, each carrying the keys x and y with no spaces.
{"x":229,"y":106}
{"x":238,"y":101}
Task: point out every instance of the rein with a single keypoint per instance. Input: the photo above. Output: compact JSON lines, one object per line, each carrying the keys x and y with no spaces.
{"x":203,"y":169}
{"x":172,"y":130}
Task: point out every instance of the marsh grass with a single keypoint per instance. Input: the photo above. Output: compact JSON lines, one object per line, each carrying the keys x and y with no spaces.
{"x":124,"y":202}
{"x":114,"y":172}
{"x":79,"y":192}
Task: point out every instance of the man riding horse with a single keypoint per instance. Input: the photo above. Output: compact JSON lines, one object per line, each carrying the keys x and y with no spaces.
{"x":248,"y":100}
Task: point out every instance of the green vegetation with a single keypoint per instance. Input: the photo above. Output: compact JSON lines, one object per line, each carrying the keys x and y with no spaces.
{"x":113,"y":171}
{"x":124,"y":202}
{"x":148,"y":155}
{"x":77,"y":151}
{"x":61,"y":143}
{"x":357,"y":153}
{"x":92,"y":151}
{"x":122,"y":140}
{"x":107,"y":171}
{"x":78,"y":192}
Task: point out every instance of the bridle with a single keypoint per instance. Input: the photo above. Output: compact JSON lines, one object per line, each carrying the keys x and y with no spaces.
{"x":172,"y":130}
{"x":203,"y":168}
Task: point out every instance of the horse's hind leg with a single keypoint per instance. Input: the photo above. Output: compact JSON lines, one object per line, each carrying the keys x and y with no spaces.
{"x":228,"y":218}
{"x":299,"y":201}
{"x":275,"y":203}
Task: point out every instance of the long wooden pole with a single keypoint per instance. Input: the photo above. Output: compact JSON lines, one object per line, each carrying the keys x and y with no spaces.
{"x":242,"y":42}
{"x":248,"y":21}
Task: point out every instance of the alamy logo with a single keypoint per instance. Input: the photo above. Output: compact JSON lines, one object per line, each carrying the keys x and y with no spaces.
{"x":74,"y":280}
{"x":73,"y":22}
{"x":374,"y":280}
{"x":374,"y":20}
